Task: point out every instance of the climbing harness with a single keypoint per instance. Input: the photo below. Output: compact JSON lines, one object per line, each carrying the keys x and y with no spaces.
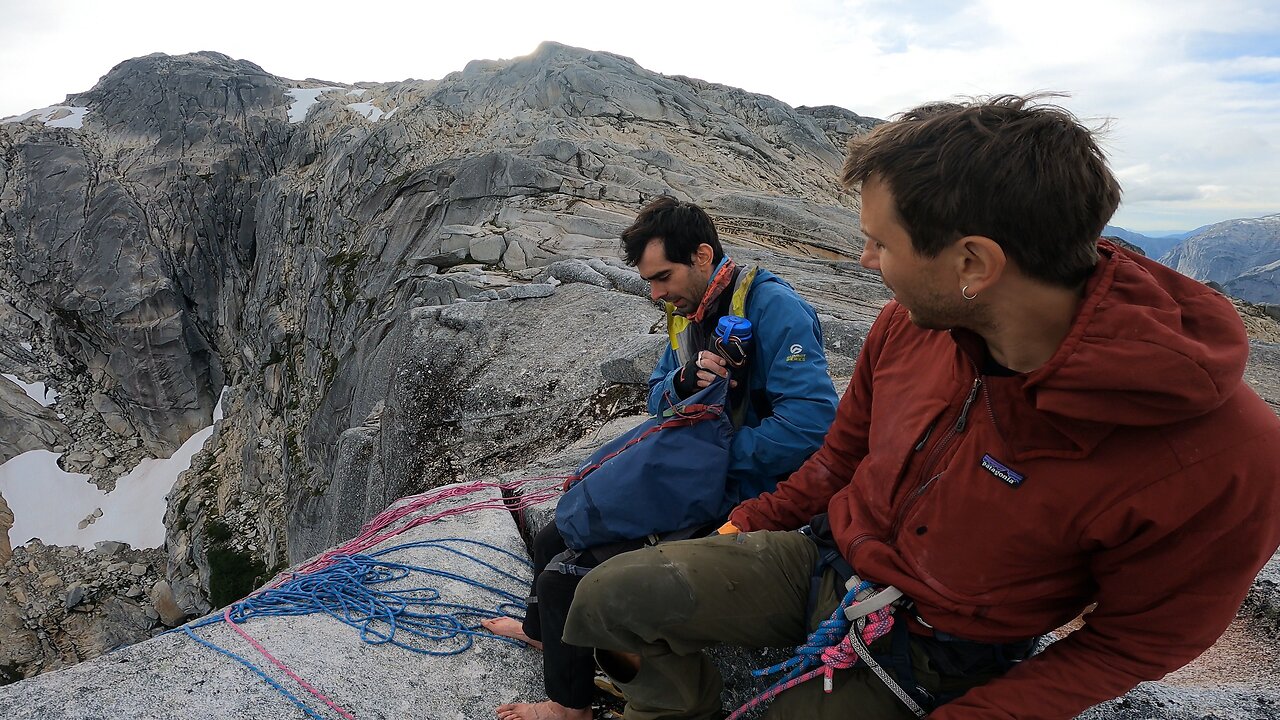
{"x":865,"y":615}
{"x":364,"y":590}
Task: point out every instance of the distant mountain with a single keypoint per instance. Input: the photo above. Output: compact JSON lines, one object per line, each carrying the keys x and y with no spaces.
{"x":1259,"y":284}
{"x":1243,"y":256}
{"x":1183,"y":235}
{"x":1154,"y":247}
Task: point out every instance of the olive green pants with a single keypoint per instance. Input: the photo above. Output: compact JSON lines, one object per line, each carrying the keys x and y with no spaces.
{"x":667,"y":603}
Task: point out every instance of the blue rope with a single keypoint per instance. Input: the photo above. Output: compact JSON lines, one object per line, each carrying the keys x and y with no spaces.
{"x":829,"y":632}
{"x":288,"y":695}
{"x":348,"y":591}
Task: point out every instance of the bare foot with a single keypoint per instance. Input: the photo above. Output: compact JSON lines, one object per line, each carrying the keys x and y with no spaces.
{"x":547,"y":710}
{"x":510,"y":628}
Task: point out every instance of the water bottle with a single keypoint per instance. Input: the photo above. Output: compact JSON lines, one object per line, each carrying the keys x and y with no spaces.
{"x":733,"y":339}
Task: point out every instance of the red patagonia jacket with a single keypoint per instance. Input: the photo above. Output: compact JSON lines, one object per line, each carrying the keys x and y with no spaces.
{"x":1134,"y":469}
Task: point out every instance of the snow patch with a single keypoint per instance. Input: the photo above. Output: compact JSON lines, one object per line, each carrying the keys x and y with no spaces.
{"x":48,"y":503}
{"x":368,"y":110}
{"x":37,"y":391}
{"x":26,"y":346}
{"x":303,"y":99}
{"x":1264,"y":220}
{"x":393,"y":112}
{"x":357,"y":91}
{"x":61,"y":116}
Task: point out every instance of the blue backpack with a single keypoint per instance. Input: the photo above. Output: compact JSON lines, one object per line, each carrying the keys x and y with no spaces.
{"x":667,"y":474}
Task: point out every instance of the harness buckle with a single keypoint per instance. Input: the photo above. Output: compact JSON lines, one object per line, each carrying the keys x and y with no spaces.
{"x":872,"y":601}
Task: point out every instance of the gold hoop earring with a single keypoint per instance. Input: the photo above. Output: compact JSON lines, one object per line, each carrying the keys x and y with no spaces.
{"x":964,"y":293}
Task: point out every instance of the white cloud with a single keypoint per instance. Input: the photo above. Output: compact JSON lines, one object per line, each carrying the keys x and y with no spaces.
{"x":1190,"y":85}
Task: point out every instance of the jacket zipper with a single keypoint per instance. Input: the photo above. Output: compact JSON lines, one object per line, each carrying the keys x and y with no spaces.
{"x":963,"y":420}
{"x":927,"y":432}
{"x":859,"y":539}
{"x":960,"y":424}
{"x":854,"y":543}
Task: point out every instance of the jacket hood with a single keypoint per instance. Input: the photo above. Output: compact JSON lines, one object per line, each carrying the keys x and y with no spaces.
{"x":1149,"y":347}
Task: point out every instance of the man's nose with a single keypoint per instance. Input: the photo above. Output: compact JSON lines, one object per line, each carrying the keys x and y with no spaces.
{"x":870,"y":259}
{"x":655,"y":292}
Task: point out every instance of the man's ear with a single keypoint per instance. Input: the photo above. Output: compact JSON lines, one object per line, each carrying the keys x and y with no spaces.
{"x":704,"y":255}
{"x":980,"y":262}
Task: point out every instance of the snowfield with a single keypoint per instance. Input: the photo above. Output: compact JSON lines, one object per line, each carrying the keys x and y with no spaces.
{"x":49,"y":503}
{"x":37,"y":391}
{"x":63,"y":116}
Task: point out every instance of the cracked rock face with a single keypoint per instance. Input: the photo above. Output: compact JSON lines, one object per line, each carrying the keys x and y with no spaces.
{"x":393,"y":304}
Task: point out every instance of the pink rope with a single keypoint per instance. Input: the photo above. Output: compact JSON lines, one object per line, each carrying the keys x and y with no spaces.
{"x":840,"y":656}
{"x":376,"y":530}
{"x":226,"y":617}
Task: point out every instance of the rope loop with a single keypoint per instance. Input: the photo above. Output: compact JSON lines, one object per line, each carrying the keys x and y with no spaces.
{"x":828,"y":648}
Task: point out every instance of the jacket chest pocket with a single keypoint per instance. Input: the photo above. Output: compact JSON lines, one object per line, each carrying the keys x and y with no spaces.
{"x":899,"y":438}
{"x":977,"y":534}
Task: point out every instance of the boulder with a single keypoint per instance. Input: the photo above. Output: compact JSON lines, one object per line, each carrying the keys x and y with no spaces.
{"x":166,"y":606}
{"x":634,"y":359}
{"x":25,"y":425}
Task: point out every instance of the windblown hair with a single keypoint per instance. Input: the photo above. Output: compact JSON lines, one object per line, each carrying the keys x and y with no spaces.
{"x":682,"y":227}
{"x":1027,"y":175}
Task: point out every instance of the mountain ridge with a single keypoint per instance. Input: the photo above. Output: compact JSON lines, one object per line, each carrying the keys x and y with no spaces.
{"x":1239,"y":255}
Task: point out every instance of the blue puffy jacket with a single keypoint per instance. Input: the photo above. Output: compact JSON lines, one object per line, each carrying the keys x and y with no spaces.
{"x":790,"y":366}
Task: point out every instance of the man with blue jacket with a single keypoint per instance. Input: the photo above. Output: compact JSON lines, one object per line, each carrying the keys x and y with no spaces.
{"x":789,"y":399}
{"x":781,"y":397}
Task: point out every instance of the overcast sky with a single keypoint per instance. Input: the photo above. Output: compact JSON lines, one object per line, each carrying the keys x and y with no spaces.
{"x":1192,"y":87}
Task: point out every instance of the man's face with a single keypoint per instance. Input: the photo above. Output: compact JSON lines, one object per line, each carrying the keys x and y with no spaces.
{"x":679,"y":284}
{"x":924,"y":286}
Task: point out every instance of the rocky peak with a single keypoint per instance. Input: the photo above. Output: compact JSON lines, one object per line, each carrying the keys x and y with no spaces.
{"x":1239,"y":255}
{"x":178,"y":90}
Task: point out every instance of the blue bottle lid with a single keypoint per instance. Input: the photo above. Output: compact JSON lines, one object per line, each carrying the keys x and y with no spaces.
{"x":733,"y":326}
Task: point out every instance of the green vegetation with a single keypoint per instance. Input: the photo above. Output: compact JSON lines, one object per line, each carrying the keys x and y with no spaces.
{"x":233,"y":573}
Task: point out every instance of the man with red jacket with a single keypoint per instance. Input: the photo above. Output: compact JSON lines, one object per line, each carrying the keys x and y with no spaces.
{"x":1039,"y":422}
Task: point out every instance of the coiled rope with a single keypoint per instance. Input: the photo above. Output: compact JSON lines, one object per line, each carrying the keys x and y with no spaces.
{"x":349,"y":585}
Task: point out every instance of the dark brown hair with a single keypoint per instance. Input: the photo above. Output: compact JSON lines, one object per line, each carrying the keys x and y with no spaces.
{"x":682,"y":226}
{"x":1028,"y":175}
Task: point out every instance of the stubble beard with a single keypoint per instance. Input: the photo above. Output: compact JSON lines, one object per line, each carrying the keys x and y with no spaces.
{"x":945,"y":313}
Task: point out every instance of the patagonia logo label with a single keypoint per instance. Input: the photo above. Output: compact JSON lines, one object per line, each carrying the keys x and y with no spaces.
{"x":1002,"y":471}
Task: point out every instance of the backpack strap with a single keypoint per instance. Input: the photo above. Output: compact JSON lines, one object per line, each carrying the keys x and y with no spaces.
{"x":678,"y":330}
{"x":741,"y":287}
{"x":566,"y":563}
